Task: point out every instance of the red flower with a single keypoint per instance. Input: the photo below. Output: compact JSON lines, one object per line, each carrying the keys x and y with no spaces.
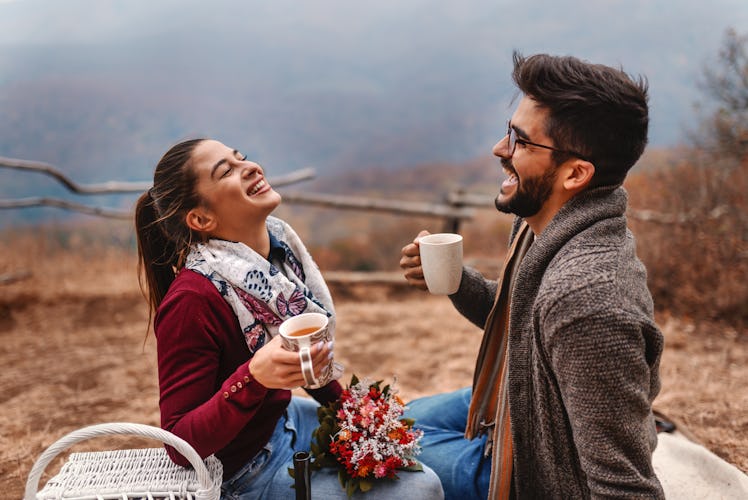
{"x":367,"y":424}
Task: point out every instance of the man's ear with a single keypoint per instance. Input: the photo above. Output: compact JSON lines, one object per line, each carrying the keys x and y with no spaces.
{"x":201,"y":220}
{"x":578,"y":175}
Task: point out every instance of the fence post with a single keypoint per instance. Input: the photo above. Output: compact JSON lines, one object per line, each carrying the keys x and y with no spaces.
{"x":452,"y":224}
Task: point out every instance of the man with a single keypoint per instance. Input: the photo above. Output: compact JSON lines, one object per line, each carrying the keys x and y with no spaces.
{"x":568,"y":367}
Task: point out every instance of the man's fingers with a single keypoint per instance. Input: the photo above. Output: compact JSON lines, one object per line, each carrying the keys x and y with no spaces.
{"x":411,"y":250}
{"x":409,"y":262}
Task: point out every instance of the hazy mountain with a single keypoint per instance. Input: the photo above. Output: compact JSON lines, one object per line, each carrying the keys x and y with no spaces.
{"x":100,"y":88}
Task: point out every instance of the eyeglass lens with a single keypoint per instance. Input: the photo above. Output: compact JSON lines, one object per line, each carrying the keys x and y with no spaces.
{"x":510,"y":132}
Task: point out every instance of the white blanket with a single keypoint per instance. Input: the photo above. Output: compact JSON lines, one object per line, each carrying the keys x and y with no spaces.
{"x":687,"y":470}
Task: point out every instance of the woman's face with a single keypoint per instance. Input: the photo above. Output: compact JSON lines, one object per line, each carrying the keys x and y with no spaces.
{"x":232,"y":189}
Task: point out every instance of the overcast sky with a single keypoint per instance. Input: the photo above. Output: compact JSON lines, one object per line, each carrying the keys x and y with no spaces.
{"x":347,"y":66}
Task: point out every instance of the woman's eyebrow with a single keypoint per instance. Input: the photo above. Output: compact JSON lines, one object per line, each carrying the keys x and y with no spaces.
{"x":215,"y":167}
{"x":219,"y":163}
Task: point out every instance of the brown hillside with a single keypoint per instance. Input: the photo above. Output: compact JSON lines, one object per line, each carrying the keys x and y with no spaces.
{"x":73,"y":354}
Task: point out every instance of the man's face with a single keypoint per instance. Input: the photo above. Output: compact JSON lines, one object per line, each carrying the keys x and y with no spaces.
{"x":531,"y":171}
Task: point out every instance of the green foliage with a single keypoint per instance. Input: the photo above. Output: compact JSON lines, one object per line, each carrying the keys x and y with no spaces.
{"x":323,"y":436}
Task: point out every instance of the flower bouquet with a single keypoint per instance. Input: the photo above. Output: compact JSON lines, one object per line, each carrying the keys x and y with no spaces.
{"x":363,"y":435}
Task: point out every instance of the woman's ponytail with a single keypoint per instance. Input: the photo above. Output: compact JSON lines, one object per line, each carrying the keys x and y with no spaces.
{"x":163,"y":236}
{"x":155,"y":252}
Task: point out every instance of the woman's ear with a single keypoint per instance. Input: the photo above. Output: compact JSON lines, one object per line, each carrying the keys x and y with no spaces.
{"x":201,"y":220}
{"x":579,"y":175}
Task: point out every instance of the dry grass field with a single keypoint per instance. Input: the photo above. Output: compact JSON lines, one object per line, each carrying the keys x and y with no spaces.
{"x":74,"y":352}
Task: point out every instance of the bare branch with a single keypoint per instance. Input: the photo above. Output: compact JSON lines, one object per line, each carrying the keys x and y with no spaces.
{"x":47,"y":169}
{"x":68,"y":205}
{"x":122,"y":187}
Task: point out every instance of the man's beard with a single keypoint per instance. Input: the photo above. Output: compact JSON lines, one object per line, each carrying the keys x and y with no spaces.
{"x":530,"y":193}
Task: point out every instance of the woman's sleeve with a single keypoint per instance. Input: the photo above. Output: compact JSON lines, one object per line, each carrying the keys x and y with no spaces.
{"x":195,"y":405}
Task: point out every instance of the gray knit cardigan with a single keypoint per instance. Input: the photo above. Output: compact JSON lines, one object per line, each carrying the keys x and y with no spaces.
{"x":584,"y":354}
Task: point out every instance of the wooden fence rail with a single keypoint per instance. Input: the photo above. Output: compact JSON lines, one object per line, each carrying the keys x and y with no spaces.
{"x":446,"y":211}
{"x":439,"y":210}
{"x":456,"y":208}
{"x":464,"y":199}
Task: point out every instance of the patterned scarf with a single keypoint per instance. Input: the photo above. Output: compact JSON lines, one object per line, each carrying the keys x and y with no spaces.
{"x":262,"y":296}
{"x":489,"y":405}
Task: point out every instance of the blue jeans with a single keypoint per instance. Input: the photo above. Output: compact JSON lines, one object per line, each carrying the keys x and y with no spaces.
{"x":459,"y":463}
{"x":266,"y":475}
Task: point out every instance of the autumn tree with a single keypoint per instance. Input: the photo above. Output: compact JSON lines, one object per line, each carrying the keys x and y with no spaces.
{"x":698,"y":259}
{"x":726,"y":82}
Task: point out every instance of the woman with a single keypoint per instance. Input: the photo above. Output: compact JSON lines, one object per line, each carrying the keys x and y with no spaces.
{"x":221,"y":275}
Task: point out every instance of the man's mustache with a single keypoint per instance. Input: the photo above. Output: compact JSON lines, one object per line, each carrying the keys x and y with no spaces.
{"x":507,"y":164}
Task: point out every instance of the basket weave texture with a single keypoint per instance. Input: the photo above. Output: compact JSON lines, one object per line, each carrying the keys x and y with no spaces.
{"x":146,"y":473}
{"x":129,"y":474}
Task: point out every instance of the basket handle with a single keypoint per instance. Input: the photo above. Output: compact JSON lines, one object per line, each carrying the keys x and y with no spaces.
{"x":148,"y":431}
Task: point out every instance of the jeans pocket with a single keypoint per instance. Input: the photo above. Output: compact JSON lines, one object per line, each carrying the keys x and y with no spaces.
{"x":246,"y":477}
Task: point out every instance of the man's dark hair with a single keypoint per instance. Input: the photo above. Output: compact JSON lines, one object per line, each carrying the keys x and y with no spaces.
{"x":595,"y":110}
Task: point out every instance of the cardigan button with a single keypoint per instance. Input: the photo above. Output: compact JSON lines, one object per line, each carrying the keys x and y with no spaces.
{"x":233,"y":388}
{"x":239,"y":385}
{"x":225,"y":395}
{"x":246,"y":379}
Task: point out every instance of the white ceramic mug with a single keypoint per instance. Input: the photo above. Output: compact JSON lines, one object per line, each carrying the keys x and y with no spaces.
{"x":441,"y":260}
{"x":299,"y":334}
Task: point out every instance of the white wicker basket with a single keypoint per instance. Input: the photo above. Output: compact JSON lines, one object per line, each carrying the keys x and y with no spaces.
{"x":126,"y":474}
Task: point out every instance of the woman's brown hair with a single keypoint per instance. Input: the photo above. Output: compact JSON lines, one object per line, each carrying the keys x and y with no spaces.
{"x":163,"y":236}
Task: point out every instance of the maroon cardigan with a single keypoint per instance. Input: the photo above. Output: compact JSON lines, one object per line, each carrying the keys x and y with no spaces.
{"x":207,"y":395}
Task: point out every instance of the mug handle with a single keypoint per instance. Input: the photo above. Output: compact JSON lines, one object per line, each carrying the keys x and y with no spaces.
{"x":307,"y":368}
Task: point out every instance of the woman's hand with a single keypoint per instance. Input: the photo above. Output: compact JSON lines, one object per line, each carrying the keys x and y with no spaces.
{"x":410,"y":262}
{"x":276,"y":368}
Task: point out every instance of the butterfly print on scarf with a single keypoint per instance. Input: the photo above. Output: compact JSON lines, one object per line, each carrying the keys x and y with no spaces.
{"x":256,"y":281}
{"x":255,"y":336}
{"x":259,"y":309}
{"x":292,"y":306}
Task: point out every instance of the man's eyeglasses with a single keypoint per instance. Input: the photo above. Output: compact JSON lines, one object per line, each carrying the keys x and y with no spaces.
{"x":514,"y":140}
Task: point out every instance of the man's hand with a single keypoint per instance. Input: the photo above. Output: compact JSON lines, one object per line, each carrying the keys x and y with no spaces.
{"x":410,"y":262}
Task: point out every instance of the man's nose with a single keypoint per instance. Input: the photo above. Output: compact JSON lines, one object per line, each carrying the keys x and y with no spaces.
{"x":501,"y":148}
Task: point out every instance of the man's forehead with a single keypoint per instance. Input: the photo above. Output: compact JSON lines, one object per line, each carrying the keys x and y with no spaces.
{"x":530,"y":116}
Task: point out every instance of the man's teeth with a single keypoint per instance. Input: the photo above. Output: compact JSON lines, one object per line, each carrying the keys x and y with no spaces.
{"x":257,"y":187}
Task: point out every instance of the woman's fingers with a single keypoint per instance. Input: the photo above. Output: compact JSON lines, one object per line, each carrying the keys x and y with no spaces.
{"x":321,"y":356}
{"x":276,"y":368}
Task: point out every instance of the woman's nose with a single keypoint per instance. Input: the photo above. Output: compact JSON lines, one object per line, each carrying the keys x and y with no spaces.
{"x":250,"y":168}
